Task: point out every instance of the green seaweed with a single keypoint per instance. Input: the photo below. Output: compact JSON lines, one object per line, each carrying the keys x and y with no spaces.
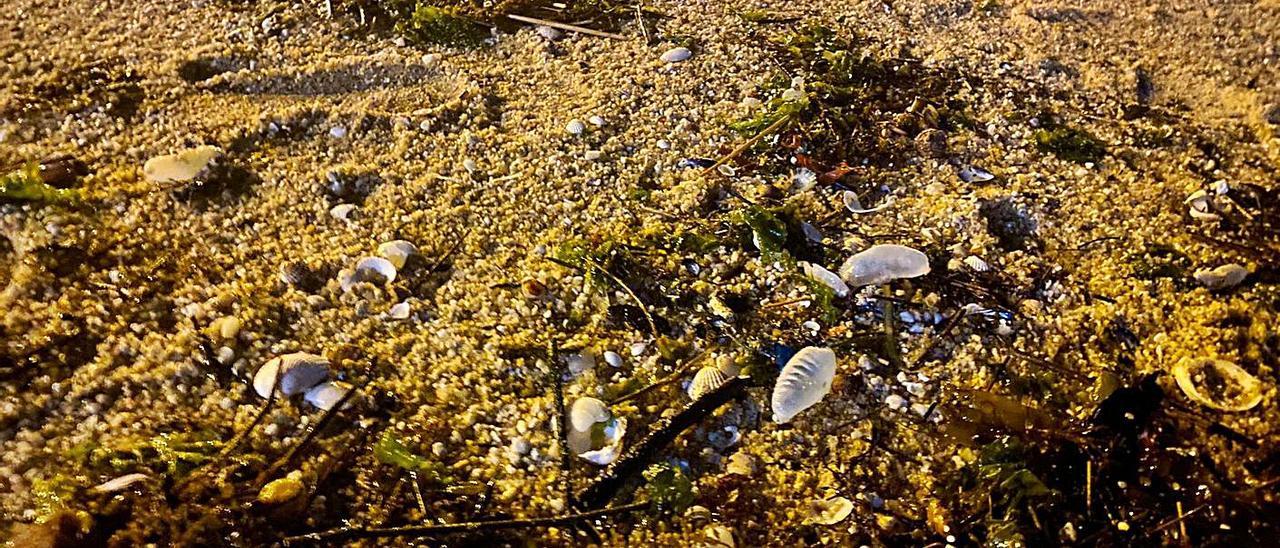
{"x":824,"y":299}
{"x":177,"y":454}
{"x":768,"y":232}
{"x":1071,"y":144}
{"x":428,"y":24}
{"x":669,"y":488}
{"x":26,"y":185}
{"x":390,"y":449}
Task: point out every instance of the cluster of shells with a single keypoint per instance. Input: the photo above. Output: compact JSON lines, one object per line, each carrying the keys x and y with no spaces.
{"x":300,"y":373}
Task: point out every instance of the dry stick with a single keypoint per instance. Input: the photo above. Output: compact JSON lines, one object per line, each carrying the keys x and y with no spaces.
{"x":665,"y":381}
{"x":603,"y":489}
{"x":565,"y":26}
{"x":744,"y":146}
{"x":439,"y":261}
{"x":417,"y":531}
{"x":240,"y":436}
{"x":562,"y":437}
{"x":653,"y":328}
{"x":307,"y":439}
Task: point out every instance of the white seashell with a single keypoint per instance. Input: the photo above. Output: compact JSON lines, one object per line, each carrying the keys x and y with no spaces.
{"x":853,"y":204}
{"x":298,"y":372}
{"x":397,"y":251}
{"x":375,"y":270}
{"x":826,"y":277}
{"x":327,"y":394}
{"x":399,"y":311}
{"x":675,"y":55}
{"x":705,"y":380}
{"x":180,"y":166}
{"x":119,"y":484}
{"x":575,"y":127}
{"x":1219,"y":384}
{"x":346,"y":279}
{"x":637,"y":349}
{"x":586,"y":412}
{"x":884,"y":263}
{"x":342,"y":212}
{"x":719,"y":536}
{"x":976,"y":263}
{"x":803,"y":382}
{"x":1200,"y":206}
{"x":612,"y":449}
{"x":830,"y":511}
{"x":803,"y":179}
{"x":974,"y":174}
{"x":596,"y":121}
{"x":613,"y":358}
{"x":1227,"y":275}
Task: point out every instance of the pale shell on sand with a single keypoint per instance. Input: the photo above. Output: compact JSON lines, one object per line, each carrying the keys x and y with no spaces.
{"x":397,"y":252}
{"x":298,"y":372}
{"x":1222,"y":277}
{"x":803,"y":382}
{"x":884,"y":263}
{"x":826,"y":277}
{"x":327,"y":394}
{"x":705,"y":380}
{"x":584,"y":416}
{"x":1218,"y":384}
{"x":180,"y":166}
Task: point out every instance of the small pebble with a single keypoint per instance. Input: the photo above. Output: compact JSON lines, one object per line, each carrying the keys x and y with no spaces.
{"x":550,"y":33}
{"x":338,"y":132}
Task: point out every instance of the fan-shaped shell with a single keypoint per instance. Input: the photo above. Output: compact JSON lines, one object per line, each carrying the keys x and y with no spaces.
{"x":884,"y":263}
{"x":180,"y":166}
{"x":586,"y":412}
{"x":705,"y":380}
{"x":1219,"y":384}
{"x":854,"y":205}
{"x":612,"y":449}
{"x":803,"y":382}
{"x":830,"y":511}
{"x":826,"y":277}
{"x":397,"y":251}
{"x":298,"y":372}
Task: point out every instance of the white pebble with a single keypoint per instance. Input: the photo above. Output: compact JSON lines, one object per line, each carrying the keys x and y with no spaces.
{"x":895,"y":402}
{"x":338,"y":132}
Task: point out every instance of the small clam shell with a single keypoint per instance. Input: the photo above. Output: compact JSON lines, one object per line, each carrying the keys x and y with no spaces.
{"x":400,"y":311}
{"x":705,"y":380}
{"x":675,"y":55}
{"x":883,"y":263}
{"x":327,"y":394}
{"x":586,"y":412}
{"x":803,"y":382}
{"x":375,"y":270}
{"x":180,"y":166}
{"x":974,"y":174}
{"x":397,"y":251}
{"x":1222,"y":277}
{"x":298,"y":372}
{"x":1200,"y":206}
{"x":575,"y":127}
{"x":1218,"y":384}
{"x":826,"y":277}
{"x":854,"y":205}
{"x":342,"y":212}
{"x":830,"y":511}
{"x":612,"y":449}
{"x":119,"y":484}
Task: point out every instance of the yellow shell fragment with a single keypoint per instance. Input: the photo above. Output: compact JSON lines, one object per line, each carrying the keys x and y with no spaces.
{"x":180,"y":166}
{"x":282,"y":490}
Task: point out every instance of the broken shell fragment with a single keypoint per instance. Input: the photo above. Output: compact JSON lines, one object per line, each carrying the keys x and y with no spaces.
{"x":884,"y":263}
{"x":397,"y":251}
{"x":826,"y":277}
{"x":342,"y":212}
{"x":830,"y":511}
{"x":400,"y":311}
{"x":1222,"y":277}
{"x":1218,"y":384}
{"x":974,"y":174}
{"x":593,"y":433}
{"x":803,"y":179}
{"x":119,"y":484}
{"x":854,"y":205}
{"x":327,"y":394}
{"x":180,"y":166}
{"x":1200,"y":206}
{"x":374,"y":270}
{"x":803,"y":382}
{"x":282,"y":490}
{"x":298,"y":372}
{"x":676,"y":54}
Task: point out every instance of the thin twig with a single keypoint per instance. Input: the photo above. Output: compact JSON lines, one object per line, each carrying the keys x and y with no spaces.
{"x":565,"y":26}
{"x":441,"y":260}
{"x":744,"y":146}
{"x":417,"y":531}
{"x":310,"y":436}
{"x":674,"y":377}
